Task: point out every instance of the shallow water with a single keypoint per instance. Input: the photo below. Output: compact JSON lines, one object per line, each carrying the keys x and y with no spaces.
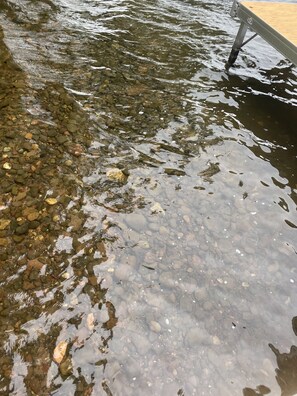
{"x":174,"y":279}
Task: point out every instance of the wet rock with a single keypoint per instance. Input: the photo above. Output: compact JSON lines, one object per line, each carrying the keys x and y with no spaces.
{"x":143,"y":244}
{"x":61,"y":139}
{"x":4,"y":223}
{"x":91,"y":321}
{"x":123,"y":271}
{"x":197,"y":336}
{"x":216,"y":340}
{"x":4,"y":241}
{"x":155,"y":326}
{"x":51,"y":201}
{"x":157,"y":208}
{"x":136,"y":221}
{"x":141,"y":343}
{"x":22,"y":229}
{"x":66,"y":367}
{"x":34,"y":264}
{"x":60,"y":351}
{"x":7,"y":166}
{"x":116,"y":175}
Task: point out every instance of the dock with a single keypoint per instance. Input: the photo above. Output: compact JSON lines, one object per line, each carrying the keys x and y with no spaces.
{"x":275,"y":22}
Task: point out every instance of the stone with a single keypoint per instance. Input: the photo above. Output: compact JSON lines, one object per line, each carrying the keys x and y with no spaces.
{"x":60,"y":351}
{"x":157,"y":208}
{"x":197,"y":336}
{"x":36,"y":264}
{"x":141,"y":343}
{"x":117,"y":175}
{"x":6,"y":166}
{"x":136,"y":221}
{"x":155,"y":326}
{"x":123,"y":271}
{"x":22,"y":229}
{"x":66,"y":367}
{"x":4,"y":241}
{"x":4,"y":223}
{"x":91,"y":321}
{"x":216,"y":340}
{"x":51,"y":201}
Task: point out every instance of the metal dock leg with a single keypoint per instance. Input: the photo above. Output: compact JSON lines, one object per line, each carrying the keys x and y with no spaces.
{"x":237,"y":45}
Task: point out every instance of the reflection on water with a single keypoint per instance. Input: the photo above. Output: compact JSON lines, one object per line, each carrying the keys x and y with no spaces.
{"x":286,"y":372}
{"x":147,"y":202}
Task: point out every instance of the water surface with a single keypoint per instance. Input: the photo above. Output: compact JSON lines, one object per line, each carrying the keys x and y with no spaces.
{"x":179,"y":278}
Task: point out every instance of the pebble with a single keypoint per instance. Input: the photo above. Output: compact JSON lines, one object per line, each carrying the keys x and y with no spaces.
{"x":7,"y":166}
{"x":136,"y":221}
{"x":123,"y":272}
{"x":91,"y":321}
{"x":216,"y":340}
{"x":141,"y":343}
{"x":60,"y":351}
{"x":66,"y":367}
{"x":157,"y":208}
{"x":4,"y":223}
{"x":155,"y":326}
{"x":117,"y":175}
{"x":51,"y":201}
{"x":197,"y":336}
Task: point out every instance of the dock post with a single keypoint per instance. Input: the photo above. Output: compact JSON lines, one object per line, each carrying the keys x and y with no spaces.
{"x":237,"y":45}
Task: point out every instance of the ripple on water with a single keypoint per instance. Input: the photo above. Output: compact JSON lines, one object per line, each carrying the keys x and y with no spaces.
{"x":173,"y":279}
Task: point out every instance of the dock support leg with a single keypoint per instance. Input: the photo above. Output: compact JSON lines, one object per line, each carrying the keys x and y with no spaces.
{"x":237,"y":45}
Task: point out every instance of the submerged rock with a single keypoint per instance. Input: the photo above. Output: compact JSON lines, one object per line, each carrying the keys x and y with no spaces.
{"x":4,"y":223}
{"x":66,"y":367}
{"x":60,"y":351}
{"x":116,"y":175}
{"x":51,"y":201}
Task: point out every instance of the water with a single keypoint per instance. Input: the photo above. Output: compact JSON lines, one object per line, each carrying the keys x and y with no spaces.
{"x":177,"y":275}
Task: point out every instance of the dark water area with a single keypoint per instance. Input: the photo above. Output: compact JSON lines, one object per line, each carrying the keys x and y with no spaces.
{"x":147,"y":202}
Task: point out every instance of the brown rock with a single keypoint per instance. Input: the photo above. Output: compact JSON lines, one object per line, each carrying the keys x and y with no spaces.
{"x":36,"y":264}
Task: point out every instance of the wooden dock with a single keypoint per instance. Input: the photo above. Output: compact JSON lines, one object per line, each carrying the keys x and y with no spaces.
{"x":274,"y":22}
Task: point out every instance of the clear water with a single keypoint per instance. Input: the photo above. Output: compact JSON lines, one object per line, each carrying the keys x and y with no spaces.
{"x":176,"y":279}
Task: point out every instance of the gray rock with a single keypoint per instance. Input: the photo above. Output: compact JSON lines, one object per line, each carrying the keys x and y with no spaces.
{"x":123,"y":271}
{"x":136,"y":221}
{"x":197,"y":336}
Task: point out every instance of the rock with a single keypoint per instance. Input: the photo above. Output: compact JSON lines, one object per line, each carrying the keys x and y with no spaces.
{"x":22,"y":229}
{"x":33,"y":216}
{"x":136,"y":221}
{"x":4,"y":223}
{"x":4,"y":241}
{"x":157,"y":208}
{"x":36,"y":264}
{"x":90,"y":321}
{"x":141,"y":343}
{"x":216,"y":340}
{"x":155,"y":326}
{"x":60,"y":351}
{"x":51,"y":201}
{"x":61,"y":139}
{"x":66,"y":367}
{"x":197,"y":336}
{"x":123,"y":271}
{"x":6,"y":166}
{"x":143,"y":244}
{"x":116,"y":175}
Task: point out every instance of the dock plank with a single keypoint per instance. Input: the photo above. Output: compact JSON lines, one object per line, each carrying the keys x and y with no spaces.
{"x":282,"y":17}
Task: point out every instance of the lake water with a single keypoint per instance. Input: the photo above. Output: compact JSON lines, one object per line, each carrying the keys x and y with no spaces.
{"x":147,"y":202}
